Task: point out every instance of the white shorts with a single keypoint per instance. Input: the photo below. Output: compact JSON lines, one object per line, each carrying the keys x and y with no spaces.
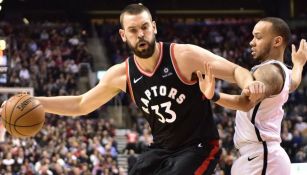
{"x":251,"y":161}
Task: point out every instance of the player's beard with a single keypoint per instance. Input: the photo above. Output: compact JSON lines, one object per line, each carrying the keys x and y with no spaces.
{"x":143,"y":53}
{"x":264,"y":54}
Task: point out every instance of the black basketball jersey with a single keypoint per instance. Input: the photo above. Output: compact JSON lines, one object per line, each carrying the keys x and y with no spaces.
{"x":174,"y":107}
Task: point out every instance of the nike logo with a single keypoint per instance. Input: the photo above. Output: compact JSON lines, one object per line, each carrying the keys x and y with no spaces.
{"x":138,"y":79}
{"x":250,"y":159}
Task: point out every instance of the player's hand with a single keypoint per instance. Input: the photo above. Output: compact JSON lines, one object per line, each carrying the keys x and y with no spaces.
{"x":207,"y":84}
{"x":299,"y":57}
{"x":255,"y":91}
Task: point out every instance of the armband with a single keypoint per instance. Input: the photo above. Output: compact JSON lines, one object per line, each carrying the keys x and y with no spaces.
{"x":216,"y":96}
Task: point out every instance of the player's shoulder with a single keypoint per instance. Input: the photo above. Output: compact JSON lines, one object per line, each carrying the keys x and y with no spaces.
{"x":272,"y":75}
{"x":118,"y":68}
{"x":115,"y":76}
{"x":184,"y":50}
{"x":118,"y":72}
{"x":269,"y":70}
{"x":183,"y":47}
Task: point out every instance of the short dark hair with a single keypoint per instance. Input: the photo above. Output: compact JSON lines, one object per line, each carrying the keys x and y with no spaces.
{"x":280,"y":27}
{"x":133,"y":9}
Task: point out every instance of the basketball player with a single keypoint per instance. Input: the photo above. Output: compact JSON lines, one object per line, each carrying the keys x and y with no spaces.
{"x":258,"y":124}
{"x":158,"y":77}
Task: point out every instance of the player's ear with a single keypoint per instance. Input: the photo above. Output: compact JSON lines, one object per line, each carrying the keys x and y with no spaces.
{"x":122,"y":35}
{"x":278,"y":40}
{"x":154,"y":26}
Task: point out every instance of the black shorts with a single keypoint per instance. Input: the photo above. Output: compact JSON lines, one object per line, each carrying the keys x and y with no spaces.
{"x":199,"y":159}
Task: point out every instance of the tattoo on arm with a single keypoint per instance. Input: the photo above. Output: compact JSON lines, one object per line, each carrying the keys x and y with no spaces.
{"x":272,"y":76}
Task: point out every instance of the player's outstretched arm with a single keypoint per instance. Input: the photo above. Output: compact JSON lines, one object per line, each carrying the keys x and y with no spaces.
{"x":110,"y":85}
{"x":234,"y":102}
{"x":299,"y":59}
{"x":193,"y":58}
{"x":271,"y":77}
{"x":253,"y":93}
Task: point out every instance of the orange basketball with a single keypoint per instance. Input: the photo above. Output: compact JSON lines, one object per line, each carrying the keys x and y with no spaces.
{"x":23,"y":115}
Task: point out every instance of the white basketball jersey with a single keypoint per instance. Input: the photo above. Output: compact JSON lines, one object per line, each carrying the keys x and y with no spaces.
{"x":267,"y":117}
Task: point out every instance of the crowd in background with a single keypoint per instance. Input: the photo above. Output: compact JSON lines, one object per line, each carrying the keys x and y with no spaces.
{"x":63,"y":146}
{"x":46,"y":56}
{"x":49,"y":57}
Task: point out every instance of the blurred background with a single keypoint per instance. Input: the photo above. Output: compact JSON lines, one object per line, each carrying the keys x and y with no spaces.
{"x":63,"y":47}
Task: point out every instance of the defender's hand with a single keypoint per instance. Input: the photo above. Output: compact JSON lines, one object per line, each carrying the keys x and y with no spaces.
{"x":299,"y":57}
{"x":255,"y":91}
{"x":207,"y":84}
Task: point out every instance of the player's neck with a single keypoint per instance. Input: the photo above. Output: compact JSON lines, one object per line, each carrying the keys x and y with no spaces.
{"x":278,"y":56}
{"x":149,"y":64}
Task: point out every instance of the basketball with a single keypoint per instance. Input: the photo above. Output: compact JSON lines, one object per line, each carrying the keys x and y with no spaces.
{"x":23,"y":115}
